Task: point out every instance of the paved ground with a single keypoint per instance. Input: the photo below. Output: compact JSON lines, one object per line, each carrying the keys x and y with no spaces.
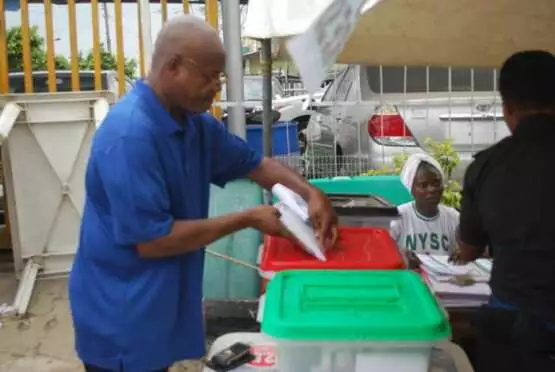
{"x":42,"y":341}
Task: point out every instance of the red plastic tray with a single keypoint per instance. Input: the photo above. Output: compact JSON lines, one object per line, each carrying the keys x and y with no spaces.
{"x":358,"y":248}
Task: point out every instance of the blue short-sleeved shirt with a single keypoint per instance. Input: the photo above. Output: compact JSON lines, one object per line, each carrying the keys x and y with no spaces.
{"x":145,"y":171}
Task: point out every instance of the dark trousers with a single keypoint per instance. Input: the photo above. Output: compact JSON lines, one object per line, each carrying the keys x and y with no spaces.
{"x":509,"y":341}
{"x":89,"y":368}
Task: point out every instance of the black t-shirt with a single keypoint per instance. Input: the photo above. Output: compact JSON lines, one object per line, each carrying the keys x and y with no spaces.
{"x":509,"y":204}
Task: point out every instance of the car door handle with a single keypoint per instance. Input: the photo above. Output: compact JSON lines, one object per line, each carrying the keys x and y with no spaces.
{"x":471,"y":117}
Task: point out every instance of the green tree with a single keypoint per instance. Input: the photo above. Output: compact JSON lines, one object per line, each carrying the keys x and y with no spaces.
{"x":38,"y":55}
{"x":108,"y":62}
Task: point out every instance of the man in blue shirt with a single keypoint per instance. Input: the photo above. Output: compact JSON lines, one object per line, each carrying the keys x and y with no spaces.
{"x":136,"y":284}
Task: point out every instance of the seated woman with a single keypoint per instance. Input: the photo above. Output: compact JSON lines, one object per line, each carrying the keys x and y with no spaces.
{"x":425,"y":226}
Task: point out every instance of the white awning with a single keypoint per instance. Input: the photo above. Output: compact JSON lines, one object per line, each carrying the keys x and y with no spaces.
{"x":421,"y":32}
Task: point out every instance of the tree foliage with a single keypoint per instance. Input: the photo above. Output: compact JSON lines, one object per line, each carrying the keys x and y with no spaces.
{"x":108,"y":62}
{"x":38,"y":55}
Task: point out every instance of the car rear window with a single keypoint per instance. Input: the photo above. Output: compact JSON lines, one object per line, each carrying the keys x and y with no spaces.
{"x":409,"y":79}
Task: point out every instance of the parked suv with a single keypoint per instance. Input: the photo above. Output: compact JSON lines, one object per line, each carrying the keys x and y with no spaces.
{"x":372,"y":113}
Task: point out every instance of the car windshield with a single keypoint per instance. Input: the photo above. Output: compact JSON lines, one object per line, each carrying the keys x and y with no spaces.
{"x":252,"y":89}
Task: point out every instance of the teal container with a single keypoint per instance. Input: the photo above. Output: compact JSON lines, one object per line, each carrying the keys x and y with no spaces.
{"x":224,"y":280}
{"x":352,"y":306}
{"x":389,"y":188}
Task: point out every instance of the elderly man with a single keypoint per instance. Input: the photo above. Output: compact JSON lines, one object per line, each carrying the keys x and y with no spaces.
{"x":136,"y":285}
{"x":508,"y":205}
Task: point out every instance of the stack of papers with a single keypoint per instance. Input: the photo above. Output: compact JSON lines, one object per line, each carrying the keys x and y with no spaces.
{"x":446,"y":280}
{"x":294,"y":216}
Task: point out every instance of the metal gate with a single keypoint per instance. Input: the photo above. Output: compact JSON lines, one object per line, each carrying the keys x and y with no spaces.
{"x":46,"y":140}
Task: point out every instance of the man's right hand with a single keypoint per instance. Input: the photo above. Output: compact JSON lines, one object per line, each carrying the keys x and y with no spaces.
{"x":265,"y":218}
{"x":464,"y":255}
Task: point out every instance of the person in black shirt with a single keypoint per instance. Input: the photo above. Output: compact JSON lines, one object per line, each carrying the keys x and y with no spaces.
{"x":509,"y":205}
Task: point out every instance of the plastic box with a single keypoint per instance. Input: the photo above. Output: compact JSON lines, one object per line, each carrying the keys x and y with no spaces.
{"x":358,"y":248}
{"x":224,"y":280}
{"x":363,"y":210}
{"x":284,"y":138}
{"x":389,"y":188}
{"x":447,"y":357}
{"x":336,"y":321}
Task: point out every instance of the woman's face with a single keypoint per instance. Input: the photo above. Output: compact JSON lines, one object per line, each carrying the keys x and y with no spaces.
{"x":428,"y":187}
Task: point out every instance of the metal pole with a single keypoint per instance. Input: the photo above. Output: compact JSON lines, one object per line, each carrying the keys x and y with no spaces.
{"x":266,"y":62}
{"x":211,"y":14}
{"x":231,"y":23}
{"x":147,"y":33}
{"x":267,"y":122}
{"x":107,"y":27}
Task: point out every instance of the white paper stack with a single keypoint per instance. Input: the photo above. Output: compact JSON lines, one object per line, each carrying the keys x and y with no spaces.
{"x":441,"y":276}
{"x":294,"y":216}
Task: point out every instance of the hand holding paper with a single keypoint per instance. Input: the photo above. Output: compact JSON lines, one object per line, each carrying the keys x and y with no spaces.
{"x":323,"y":218}
{"x":294,"y":216}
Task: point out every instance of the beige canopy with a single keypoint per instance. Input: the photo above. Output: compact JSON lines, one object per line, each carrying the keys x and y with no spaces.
{"x":430,"y":32}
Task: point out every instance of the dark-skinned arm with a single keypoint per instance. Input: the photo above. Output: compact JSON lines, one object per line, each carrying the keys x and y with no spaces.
{"x":190,"y":235}
{"x":467,"y":252}
{"x":187,"y":236}
{"x":471,"y":235}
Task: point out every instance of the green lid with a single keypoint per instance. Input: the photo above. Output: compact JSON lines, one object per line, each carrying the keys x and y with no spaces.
{"x":341,"y":305}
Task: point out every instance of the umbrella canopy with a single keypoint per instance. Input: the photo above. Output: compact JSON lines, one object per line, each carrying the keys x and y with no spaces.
{"x":479,"y":33}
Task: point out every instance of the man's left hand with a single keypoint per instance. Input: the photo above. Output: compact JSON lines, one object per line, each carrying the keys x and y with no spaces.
{"x":323,"y":218}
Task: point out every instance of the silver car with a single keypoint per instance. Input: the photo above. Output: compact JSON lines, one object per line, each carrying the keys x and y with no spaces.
{"x":372,"y":113}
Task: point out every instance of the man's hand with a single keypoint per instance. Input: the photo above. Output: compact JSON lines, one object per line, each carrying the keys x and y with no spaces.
{"x":412,"y":260}
{"x":323,"y":218}
{"x":265,"y":218}
{"x":464,"y":255}
{"x":320,"y":210}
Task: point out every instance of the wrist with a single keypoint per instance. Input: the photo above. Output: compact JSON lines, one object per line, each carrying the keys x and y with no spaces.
{"x":246,"y":219}
{"x":312,"y":192}
{"x":251,"y":217}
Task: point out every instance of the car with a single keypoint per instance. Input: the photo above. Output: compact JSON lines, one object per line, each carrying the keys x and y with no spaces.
{"x":290,"y":108}
{"x":369,"y":114}
{"x":109,"y":80}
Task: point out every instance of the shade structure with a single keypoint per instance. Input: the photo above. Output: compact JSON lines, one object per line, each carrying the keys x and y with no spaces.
{"x":479,"y":33}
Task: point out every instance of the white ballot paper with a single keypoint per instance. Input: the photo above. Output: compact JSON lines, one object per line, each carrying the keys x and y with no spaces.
{"x":294,"y":216}
{"x":315,"y":50}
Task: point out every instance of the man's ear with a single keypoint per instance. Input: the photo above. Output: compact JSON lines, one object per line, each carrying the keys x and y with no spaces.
{"x":508,"y":109}
{"x":173,"y":63}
